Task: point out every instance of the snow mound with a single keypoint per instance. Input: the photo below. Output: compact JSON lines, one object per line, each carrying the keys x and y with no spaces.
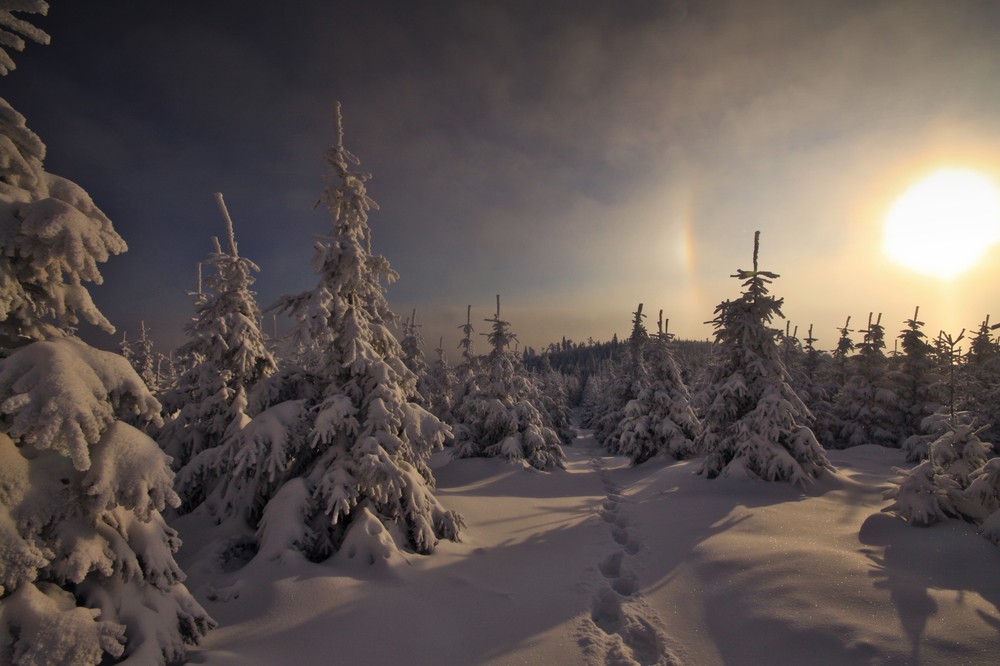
{"x":368,"y":544}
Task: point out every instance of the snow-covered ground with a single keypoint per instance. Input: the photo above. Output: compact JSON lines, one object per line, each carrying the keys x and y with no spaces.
{"x":604,"y":563}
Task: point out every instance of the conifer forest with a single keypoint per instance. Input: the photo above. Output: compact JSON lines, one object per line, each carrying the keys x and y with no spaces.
{"x":351,"y":492}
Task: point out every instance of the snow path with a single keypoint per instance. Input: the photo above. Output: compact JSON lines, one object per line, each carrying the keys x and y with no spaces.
{"x":628,"y":627}
{"x":607,"y":564}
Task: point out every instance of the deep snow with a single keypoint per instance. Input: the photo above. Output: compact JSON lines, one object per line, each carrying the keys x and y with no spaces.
{"x":603,"y":563}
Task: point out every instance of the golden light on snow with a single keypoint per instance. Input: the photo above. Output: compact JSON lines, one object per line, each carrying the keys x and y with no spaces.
{"x":944,"y":224}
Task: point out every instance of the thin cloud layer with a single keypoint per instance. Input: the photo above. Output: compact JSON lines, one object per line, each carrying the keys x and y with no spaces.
{"x":577,"y":158}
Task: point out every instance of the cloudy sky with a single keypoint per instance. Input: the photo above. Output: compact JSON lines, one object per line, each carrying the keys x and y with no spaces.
{"x":577,"y":157}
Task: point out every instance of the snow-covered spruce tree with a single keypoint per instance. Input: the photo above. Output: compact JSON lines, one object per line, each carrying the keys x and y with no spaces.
{"x":620,"y":380}
{"x":555,"y":400}
{"x":936,"y":488}
{"x":947,"y":416}
{"x":413,"y":356}
{"x":441,"y":385}
{"x":501,"y":417}
{"x":832,"y":375}
{"x":792,"y":356}
{"x":981,"y":372}
{"x":867,"y":407}
{"x":660,"y":419}
{"x":628,"y":417}
{"x":144,"y":358}
{"x":594,"y":400}
{"x":332,"y":468}
{"x":918,"y":385}
{"x":842,"y":354}
{"x":125,"y":349}
{"x":608,"y":391}
{"x":469,"y":370}
{"x":87,"y":572}
{"x":816,"y":385}
{"x":166,"y":371}
{"x":983,"y":493}
{"x":674,"y":416}
{"x":753,"y":425}
{"x":958,"y":479}
{"x":229,"y":356}
{"x":915,"y":379}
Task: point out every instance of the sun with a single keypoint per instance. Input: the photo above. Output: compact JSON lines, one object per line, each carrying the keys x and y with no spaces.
{"x":944,"y":224}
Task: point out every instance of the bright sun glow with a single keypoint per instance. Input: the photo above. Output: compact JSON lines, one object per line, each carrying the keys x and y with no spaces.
{"x":944,"y":224}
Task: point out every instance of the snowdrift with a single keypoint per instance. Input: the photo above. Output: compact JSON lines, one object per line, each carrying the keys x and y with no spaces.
{"x":603,"y":563}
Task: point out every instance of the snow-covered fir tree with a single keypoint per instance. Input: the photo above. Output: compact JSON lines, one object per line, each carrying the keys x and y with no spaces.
{"x":555,"y":400}
{"x":915,"y":379}
{"x":842,"y":353}
{"x":144,"y":358}
{"x":660,"y":419}
{"x":413,"y":356}
{"x":592,"y":399}
{"x":337,"y":458}
{"x":228,"y":356}
{"x":936,"y":489}
{"x":87,"y":572}
{"x":792,"y":355}
{"x":981,"y":373}
{"x":607,"y":392}
{"x":867,"y":407}
{"x":166,"y":372}
{"x":948,"y":415}
{"x":950,"y":356}
{"x":125,"y":349}
{"x":441,"y":385}
{"x":631,"y":430}
{"x":754,"y":422}
{"x":816,"y":384}
{"x":501,"y":417}
{"x":617,"y":384}
{"x":983,"y":493}
{"x":469,"y":370}
{"x":957,"y":478}
{"x":923,"y":495}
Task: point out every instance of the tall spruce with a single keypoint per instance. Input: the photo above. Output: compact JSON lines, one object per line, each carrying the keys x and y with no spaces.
{"x":337,"y":459}
{"x":754,"y":423}
{"x":229,"y":355}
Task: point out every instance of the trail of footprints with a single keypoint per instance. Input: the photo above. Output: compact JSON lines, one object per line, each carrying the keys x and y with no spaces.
{"x":630,"y":636}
